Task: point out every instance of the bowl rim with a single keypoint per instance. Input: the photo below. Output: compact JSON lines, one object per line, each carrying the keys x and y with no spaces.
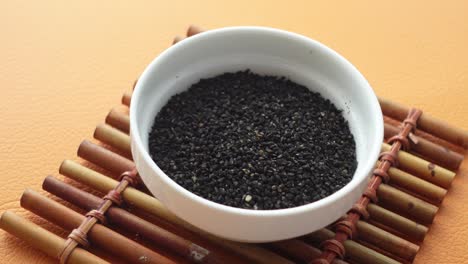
{"x":137,"y":144}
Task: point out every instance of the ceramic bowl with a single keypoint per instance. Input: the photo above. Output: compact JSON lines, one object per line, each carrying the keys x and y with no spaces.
{"x":264,"y":51}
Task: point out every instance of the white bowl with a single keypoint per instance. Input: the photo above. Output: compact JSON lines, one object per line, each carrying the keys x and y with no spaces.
{"x":265,"y":51}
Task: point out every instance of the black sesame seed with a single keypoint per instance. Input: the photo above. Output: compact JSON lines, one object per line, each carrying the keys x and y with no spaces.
{"x":255,"y":142}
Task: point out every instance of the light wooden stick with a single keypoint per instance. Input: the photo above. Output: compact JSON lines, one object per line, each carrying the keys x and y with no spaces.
{"x":397,"y":222}
{"x":437,"y":153}
{"x":105,"y":159}
{"x":427,"y":123}
{"x":177,"y":39}
{"x":424,"y":169}
{"x":99,"y":235}
{"x":404,"y":203}
{"x":386,"y":241}
{"x":356,"y":252}
{"x":114,"y":138}
{"x":47,"y":242}
{"x":152,"y":206}
{"x":417,"y":185}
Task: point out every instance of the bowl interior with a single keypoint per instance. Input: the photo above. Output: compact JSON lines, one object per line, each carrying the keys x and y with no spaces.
{"x":264,"y":51}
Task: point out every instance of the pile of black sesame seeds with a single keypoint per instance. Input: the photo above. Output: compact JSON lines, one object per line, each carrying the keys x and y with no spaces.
{"x":251,"y":141}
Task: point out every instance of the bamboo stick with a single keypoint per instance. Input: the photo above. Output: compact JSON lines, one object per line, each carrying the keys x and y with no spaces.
{"x":377,"y":249}
{"x":99,"y":235}
{"x":427,"y":123}
{"x":119,"y":120}
{"x":299,"y":250}
{"x":177,"y":39}
{"x":386,"y":241}
{"x":105,"y":158}
{"x":408,"y":227}
{"x":417,"y":209}
{"x":152,"y":206}
{"x":417,"y":185}
{"x":45,"y":241}
{"x":121,"y":218}
{"x":114,"y":138}
{"x":424,"y":169}
{"x":193,"y":30}
{"x":356,"y":252}
{"x":439,"y":154}
{"x":127,"y":98}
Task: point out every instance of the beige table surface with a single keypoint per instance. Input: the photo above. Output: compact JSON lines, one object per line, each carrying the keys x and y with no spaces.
{"x":64,"y":64}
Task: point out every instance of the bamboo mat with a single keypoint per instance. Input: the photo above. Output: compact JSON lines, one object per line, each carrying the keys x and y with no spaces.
{"x":143,"y":231}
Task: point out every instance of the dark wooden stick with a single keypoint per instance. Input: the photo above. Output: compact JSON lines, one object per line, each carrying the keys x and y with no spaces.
{"x":99,"y":235}
{"x":119,"y":120}
{"x":104,"y":158}
{"x":127,"y":98}
{"x":193,"y":30}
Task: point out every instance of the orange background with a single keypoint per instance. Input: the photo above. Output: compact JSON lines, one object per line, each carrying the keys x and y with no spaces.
{"x":64,"y":64}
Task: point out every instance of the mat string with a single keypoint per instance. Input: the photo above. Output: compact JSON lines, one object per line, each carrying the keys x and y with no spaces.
{"x":79,"y":235}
